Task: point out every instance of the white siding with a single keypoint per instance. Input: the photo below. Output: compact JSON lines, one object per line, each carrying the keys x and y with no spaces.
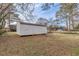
{"x":18,"y":28}
{"x":24,"y":29}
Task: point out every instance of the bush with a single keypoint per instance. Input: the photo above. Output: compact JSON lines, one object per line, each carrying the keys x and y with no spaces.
{"x":1,"y":31}
{"x":0,"y":26}
{"x":77,"y":27}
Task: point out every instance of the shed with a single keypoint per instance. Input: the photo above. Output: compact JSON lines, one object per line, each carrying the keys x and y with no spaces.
{"x":24,"y":28}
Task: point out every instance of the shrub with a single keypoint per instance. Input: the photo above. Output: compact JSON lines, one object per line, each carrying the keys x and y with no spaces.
{"x":2,"y":31}
{"x":77,"y":27}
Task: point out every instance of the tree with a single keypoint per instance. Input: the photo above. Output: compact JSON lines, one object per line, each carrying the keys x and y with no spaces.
{"x":42,"y":21}
{"x":46,"y":6}
{"x":4,"y":13}
{"x":66,"y":12}
{"x":26,"y":10}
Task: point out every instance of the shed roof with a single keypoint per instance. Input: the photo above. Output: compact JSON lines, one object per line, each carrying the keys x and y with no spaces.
{"x":32,"y":24}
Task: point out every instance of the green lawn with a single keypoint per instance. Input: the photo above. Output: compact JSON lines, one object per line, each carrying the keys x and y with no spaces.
{"x":55,"y":43}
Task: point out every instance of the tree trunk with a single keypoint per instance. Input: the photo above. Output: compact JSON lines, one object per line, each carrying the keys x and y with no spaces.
{"x":72,"y":23}
{"x":9,"y":19}
{"x":67,"y":24}
{"x":72,"y":20}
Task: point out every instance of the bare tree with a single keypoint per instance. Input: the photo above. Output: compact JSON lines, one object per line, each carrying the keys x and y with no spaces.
{"x":26,"y":10}
{"x":4,"y":13}
{"x":66,"y":12}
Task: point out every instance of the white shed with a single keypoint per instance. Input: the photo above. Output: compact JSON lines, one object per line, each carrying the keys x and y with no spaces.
{"x":30,"y":29}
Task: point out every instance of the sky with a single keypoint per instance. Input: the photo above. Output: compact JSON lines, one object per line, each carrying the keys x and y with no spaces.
{"x":38,"y":12}
{"x":47,"y":14}
{"x":50,"y":13}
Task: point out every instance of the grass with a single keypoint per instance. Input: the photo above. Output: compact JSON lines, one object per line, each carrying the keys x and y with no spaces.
{"x":55,"y":43}
{"x":75,"y":51}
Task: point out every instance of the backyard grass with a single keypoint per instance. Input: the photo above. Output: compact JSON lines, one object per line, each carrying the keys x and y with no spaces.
{"x":52,"y":44}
